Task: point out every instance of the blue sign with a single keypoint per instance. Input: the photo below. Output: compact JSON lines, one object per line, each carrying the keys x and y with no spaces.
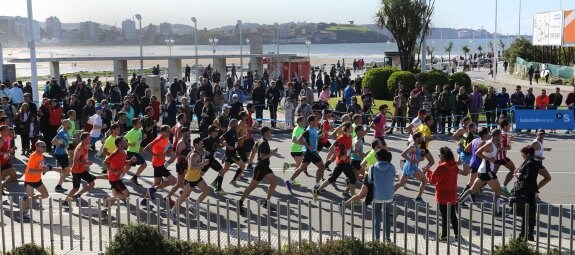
{"x":544,"y":119}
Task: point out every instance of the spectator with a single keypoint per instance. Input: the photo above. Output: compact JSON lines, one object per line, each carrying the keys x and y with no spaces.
{"x":530,"y":73}
{"x":238,"y":91}
{"x":399,"y":113}
{"x":529,"y":102}
{"x":445,"y":180}
{"x":475,"y":104}
{"x":518,"y":98}
{"x":570,"y":102}
{"x":325,"y":95}
{"x":542,"y":101}
{"x":502,"y":103}
{"x":354,"y":108}
{"x":462,"y":103}
{"x":259,"y":100}
{"x":382,"y":175}
{"x":320,"y":85}
{"x":141,"y":88}
{"x":537,"y":75}
{"x":273,"y":95}
{"x":526,"y":189}
{"x":307,"y":92}
{"x":445,"y":104}
{"x":87,"y":111}
{"x":490,"y":106}
{"x":303,"y":109}
{"x":22,"y":127}
{"x":145,"y":101}
{"x":55,"y":119}
{"x":555,"y":100}
{"x":218,"y":99}
{"x":237,"y":107}
{"x":348,"y":93}
{"x":415,"y":103}
{"x":169,"y":111}
{"x":199,"y":105}
{"x":129,"y":110}
{"x":16,"y":95}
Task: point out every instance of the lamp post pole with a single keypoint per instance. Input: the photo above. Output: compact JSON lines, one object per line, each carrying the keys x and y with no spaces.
{"x":241,"y":27}
{"x":308,"y":44}
{"x":196,"y":44}
{"x":213,"y":41}
{"x":139,"y":18}
{"x":170,"y":44}
{"x":32,"y":47}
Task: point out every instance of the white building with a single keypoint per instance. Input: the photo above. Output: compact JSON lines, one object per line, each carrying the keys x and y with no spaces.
{"x":129,"y":30}
{"x":53,"y":28}
{"x":90,"y":31}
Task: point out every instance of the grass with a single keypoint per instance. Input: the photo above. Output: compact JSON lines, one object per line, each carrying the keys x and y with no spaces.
{"x":343,"y":27}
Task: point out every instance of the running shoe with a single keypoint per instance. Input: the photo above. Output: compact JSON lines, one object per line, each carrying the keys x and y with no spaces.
{"x":221,"y":192}
{"x":419,"y":200}
{"x":170,"y":202}
{"x":288,"y":185}
{"x":315,"y":193}
{"x":250,"y":167}
{"x":65,"y":205}
{"x":192,"y":210}
{"x":243,"y":178}
{"x":265,"y":205}
{"x":174,"y":216}
{"x":235,"y":184}
{"x":135,"y":181}
{"x":26,"y":216}
{"x":346,"y":195}
{"x":286,"y":167}
{"x":77,"y":197}
{"x":505,"y":191}
{"x":145,"y":203}
{"x":296,"y":183}
{"x":152,"y":192}
{"x":59,"y":189}
{"x":104,"y":213}
{"x":442,"y":239}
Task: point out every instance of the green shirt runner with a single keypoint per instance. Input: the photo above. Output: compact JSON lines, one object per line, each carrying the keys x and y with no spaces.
{"x":297,"y":132}
{"x":134,"y":137}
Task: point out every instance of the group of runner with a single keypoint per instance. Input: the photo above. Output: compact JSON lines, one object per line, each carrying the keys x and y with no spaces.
{"x":480,"y":153}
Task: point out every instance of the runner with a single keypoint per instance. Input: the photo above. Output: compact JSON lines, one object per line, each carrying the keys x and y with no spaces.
{"x":79,"y":171}
{"x":211,"y":145}
{"x":159,"y":148}
{"x":262,"y":171}
{"x":357,"y":156}
{"x":193,"y":178}
{"x":296,"y":149}
{"x":502,"y":158}
{"x":464,"y":141}
{"x":134,"y":138}
{"x":537,"y":145}
{"x":72,"y":132}
{"x":462,"y":130}
{"x":425,"y":131}
{"x":309,"y":140}
{"x":97,"y":126}
{"x":223,"y":121}
{"x":475,"y":161}
{"x":343,"y":160}
{"x":182,"y":150}
{"x":117,"y":164}
{"x":412,"y":155}
{"x":231,"y":157}
{"x":245,"y":141}
{"x":366,"y":163}
{"x":486,"y":174}
{"x":110,"y":143}
{"x":249,"y":142}
{"x":5,"y":161}
{"x":379,"y":123}
{"x":324,"y":135}
{"x":35,"y":168}
{"x":62,"y":141}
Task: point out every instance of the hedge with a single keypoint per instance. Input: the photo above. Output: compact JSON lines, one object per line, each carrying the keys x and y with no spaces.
{"x":376,"y":81}
{"x":461,"y":78}
{"x":405,"y":77}
{"x":29,"y":249}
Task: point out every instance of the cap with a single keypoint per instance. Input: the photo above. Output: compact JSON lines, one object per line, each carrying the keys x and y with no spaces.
{"x":98,"y":108}
{"x":541,"y":131}
{"x":227,"y":106}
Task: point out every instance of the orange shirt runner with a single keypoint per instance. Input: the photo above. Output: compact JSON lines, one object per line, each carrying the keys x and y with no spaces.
{"x":159,"y":145}
{"x":36,"y":161}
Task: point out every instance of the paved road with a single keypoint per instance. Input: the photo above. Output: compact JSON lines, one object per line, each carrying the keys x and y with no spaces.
{"x":304,"y":215}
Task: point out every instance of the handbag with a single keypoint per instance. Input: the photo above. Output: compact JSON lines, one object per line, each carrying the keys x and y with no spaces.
{"x":370,"y":190}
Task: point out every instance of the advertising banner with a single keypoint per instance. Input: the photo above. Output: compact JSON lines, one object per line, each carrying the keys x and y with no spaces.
{"x":569,"y":29}
{"x":548,"y":28}
{"x":544,"y":119}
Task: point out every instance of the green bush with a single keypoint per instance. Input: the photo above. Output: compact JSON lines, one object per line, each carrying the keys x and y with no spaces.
{"x":405,"y":77}
{"x":516,"y":247}
{"x":257,"y":249}
{"x":187,"y":248}
{"x":421,"y":78}
{"x":481,"y":87}
{"x":139,"y":239}
{"x":463,"y":80}
{"x":376,"y":81}
{"x":436,"y":78}
{"x":342,"y":247}
{"x":29,"y":249}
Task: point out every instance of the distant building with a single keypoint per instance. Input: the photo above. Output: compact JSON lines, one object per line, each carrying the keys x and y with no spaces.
{"x":166,"y":28}
{"x":129,"y":30}
{"x":53,"y":28}
{"x":90,"y":31}
{"x":14,"y":30}
{"x":72,"y":35}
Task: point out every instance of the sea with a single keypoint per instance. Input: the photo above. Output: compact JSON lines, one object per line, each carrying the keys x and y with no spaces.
{"x":318,"y":53}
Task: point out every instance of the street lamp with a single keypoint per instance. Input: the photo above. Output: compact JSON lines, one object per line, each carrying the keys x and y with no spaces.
{"x":170,"y":44}
{"x":139,"y":18}
{"x":308,"y":44}
{"x":196,"y":43}
{"x":277,"y":26}
{"x":241,"y":27}
{"x":213,"y":41}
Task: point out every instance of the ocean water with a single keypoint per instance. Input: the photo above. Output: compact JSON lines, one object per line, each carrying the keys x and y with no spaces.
{"x":319,"y":53}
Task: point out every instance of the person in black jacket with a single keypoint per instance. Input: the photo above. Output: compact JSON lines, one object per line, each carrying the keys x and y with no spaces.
{"x":169,"y":111}
{"x":199,"y":105}
{"x":319,"y":84}
{"x":124,"y":87}
{"x":141,"y":88}
{"x":273,"y":95}
{"x":259,"y":99}
{"x":526,"y":188}
{"x":489,"y":106}
{"x":461,"y":106}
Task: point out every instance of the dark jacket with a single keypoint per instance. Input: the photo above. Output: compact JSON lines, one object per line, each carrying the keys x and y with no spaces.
{"x":259,"y":97}
{"x":526,"y":186}
{"x":490,"y":102}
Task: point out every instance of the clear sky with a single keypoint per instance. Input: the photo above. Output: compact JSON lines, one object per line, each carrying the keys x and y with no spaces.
{"x":214,"y":13}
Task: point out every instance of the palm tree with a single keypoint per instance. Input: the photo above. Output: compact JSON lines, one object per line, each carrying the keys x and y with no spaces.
{"x":430,"y":51}
{"x":490,"y":45}
{"x":480,"y":49}
{"x":465,"y":50}
{"x":501,"y":45}
{"x":449,"y":48}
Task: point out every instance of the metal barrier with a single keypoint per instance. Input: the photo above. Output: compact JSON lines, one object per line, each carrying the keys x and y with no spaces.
{"x":415,"y":227}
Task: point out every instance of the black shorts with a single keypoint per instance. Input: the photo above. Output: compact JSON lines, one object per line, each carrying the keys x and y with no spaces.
{"x":62,"y":160}
{"x":195,"y":183}
{"x":321,"y":145}
{"x":382,"y":140}
{"x":139,"y":159}
{"x":34,"y":184}
{"x":296,"y":154}
{"x":242,"y":153}
{"x":474,"y":169}
{"x":355,"y":165}
{"x":161,"y":171}
{"x":261,"y":171}
{"x":71,"y":147}
{"x":344,"y":168}
{"x":232,"y":158}
{"x":487,"y":176}
{"x":6,"y":166}
{"x":502,"y":161}
{"x":118,"y":186}
{"x":77,"y":179}
{"x":311,"y":157}
{"x":181,"y":167}
{"x":249,"y":144}
{"x":214,"y":164}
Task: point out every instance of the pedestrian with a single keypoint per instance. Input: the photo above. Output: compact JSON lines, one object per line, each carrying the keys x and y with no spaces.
{"x":570,"y":103}
{"x":490,"y":108}
{"x":445,"y":104}
{"x":530,"y":73}
{"x":273,"y":99}
{"x":475,"y":104}
{"x":537,"y":75}
{"x":381,"y":176}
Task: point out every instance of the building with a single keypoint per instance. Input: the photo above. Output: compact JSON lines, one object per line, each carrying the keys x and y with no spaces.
{"x":53,"y":28}
{"x":166,"y":28}
{"x":129,"y":30}
{"x":90,"y":32}
{"x":14,"y":30}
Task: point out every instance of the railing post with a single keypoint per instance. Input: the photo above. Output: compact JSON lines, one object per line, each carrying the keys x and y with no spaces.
{"x":219,"y":230}
{"x":309,"y":205}
{"x":448,"y":222}
{"x":481,"y":229}
{"x":560,"y":228}
{"x":405,"y":226}
{"x":549,"y":211}
{"x":50,"y":217}
{"x":320,"y":222}
{"x":89,"y":223}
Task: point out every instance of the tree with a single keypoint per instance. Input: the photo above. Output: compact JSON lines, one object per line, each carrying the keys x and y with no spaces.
{"x":490,"y":45}
{"x":501,"y":45}
{"x":449,"y":48}
{"x":465,"y":50}
{"x":522,"y":48}
{"x":430,"y":51}
{"x":480,"y":49}
{"x":409,"y":22}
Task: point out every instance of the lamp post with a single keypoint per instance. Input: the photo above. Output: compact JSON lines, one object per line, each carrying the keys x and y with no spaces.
{"x":196,"y":44}
{"x":277,"y":27}
{"x":308,"y":44}
{"x":241,"y":27}
{"x":170,"y":44}
{"x":32,"y":47}
{"x":213,"y":41}
{"x":139,"y":18}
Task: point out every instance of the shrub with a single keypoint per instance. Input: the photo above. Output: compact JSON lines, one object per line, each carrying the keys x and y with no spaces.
{"x":421,"y":78}
{"x":405,"y":77}
{"x":463,"y":80}
{"x":29,"y":249}
{"x":516,"y":247}
{"x":139,"y":239}
{"x":376,"y":81}
{"x":257,"y":249}
{"x":436,"y":78}
{"x":187,"y":248}
{"x":481,"y":87}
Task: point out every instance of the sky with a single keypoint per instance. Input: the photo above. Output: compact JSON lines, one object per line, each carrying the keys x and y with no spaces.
{"x":215,"y":13}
